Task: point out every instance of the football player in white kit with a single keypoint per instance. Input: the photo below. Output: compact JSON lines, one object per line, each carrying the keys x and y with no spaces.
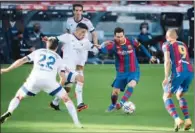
{"x":47,"y":63}
{"x":72,"y":45}
{"x":72,"y":23}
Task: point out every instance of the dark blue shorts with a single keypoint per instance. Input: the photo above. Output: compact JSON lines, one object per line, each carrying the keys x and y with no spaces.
{"x":122,"y":80}
{"x":179,"y":82}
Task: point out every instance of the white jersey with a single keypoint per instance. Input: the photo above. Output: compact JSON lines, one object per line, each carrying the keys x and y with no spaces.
{"x":72,"y":46}
{"x":71,"y":25}
{"x":47,"y":64}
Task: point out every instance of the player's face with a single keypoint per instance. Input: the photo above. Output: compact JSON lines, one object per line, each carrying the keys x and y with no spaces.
{"x":119,"y":37}
{"x":81,"y":33}
{"x":78,"y":11}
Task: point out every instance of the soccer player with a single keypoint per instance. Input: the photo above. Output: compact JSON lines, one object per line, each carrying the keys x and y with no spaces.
{"x":72,"y":23}
{"x":176,"y":60}
{"x":47,"y":63}
{"x":126,"y":64}
{"x":73,"y":44}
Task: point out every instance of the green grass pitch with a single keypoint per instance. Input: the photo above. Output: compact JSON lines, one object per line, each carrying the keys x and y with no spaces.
{"x":34,"y":114}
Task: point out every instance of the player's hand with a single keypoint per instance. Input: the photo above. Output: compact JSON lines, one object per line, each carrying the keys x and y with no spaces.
{"x":165,"y":82}
{"x":44,"y":39}
{"x":108,"y":42}
{"x":97,"y":46}
{"x":153,"y":59}
{"x":32,"y":49}
{"x":4,"y":70}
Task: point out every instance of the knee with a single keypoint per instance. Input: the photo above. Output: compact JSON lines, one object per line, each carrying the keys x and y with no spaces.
{"x":166,"y":96}
{"x":116,"y":92}
{"x":65,"y":98}
{"x":80,"y":78}
{"x":179,"y":96}
{"x":132,"y":84}
{"x":19,"y":97}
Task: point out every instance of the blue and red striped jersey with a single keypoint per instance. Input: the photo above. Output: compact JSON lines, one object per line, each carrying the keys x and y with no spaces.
{"x":125,"y":55}
{"x":179,"y":56}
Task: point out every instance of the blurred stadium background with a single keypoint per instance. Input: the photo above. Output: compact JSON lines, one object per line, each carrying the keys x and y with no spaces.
{"x":18,"y":18}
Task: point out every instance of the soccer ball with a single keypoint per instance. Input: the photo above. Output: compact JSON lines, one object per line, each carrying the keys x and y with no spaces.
{"x":128,"y":107}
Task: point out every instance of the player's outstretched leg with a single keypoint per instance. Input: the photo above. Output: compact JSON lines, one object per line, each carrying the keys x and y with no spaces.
{"x":184,"y":108}
{"x":70,"y":106}
{"x":127,"y":94}
{"x":55,"y":103}
{"x":114,"y":98}
{"x":13,"y":105}
{"x":170,"y":107}
{"x":79,"y":93}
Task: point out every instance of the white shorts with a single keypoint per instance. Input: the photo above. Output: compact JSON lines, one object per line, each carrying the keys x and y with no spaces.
{"x":34,"y":85}
{"x":83,"y":56}
{"x":70,"y":78}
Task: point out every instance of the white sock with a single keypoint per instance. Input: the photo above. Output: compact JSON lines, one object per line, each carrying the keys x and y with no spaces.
{"x":79,"y":92}
{"x":56,"y":101}
{"x":13,"y":104}
{"x":72,"y":111}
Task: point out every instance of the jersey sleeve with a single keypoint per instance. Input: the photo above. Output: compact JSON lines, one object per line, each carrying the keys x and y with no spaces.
{"x":90,"y":26}
{"x":31,"y":56}
{"x":63,"y":38}
{"x":136,"y":43}
{"x":165,"y":47}
{"x":107,"y":49}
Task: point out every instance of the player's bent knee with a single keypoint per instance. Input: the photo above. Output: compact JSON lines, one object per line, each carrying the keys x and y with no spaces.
{"x":65,"y":98}
{"x":166,"y":96}
{"x":80,"y":78}
{"x":116,"y":92}
{"x":19,"y":97}
{"x":132,"y":84}
{"x":179,"y":95}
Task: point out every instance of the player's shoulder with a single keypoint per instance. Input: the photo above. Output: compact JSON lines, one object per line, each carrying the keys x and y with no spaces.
{"x":166,"y":43}
{"x":69,"y":19}
{"x":180,"y":42}
{"x":86,"y":19}
{"x":132,"y":40}
{"x":165,"y":46}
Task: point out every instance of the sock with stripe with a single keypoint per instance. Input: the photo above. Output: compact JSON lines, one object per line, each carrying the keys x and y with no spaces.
{"x":171,"y":108}
{"x":184,"y":107}
{"x":127,"y":95}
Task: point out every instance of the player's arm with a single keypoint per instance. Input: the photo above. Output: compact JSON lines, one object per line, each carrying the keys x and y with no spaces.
{"x":93,"y":32}
{"x":106,"y":47}
{"x":167,"y":64}
{"x":94,"y":37}
{"x":16,"y":64}
{"x":67,"y":26}
{"x":143,"y":48}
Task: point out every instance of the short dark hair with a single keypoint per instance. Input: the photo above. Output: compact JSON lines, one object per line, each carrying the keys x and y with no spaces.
{"x":53,"y":43}
{"x":118,"y":30}
{"x":82,"y":26}
{"x":77,"y":5}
